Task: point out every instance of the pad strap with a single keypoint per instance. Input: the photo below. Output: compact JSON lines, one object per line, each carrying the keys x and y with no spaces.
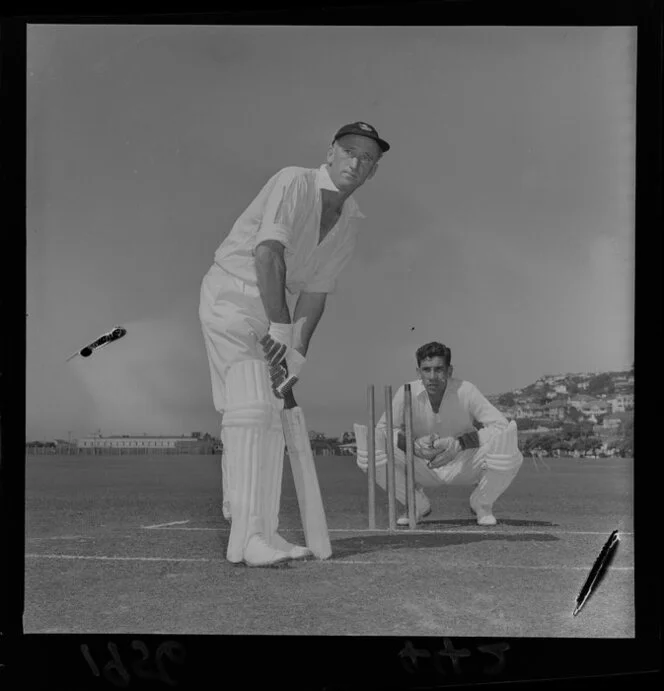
{"x":256,"y":415}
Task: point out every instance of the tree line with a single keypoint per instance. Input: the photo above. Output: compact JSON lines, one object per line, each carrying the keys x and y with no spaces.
{"x":576,"y":437}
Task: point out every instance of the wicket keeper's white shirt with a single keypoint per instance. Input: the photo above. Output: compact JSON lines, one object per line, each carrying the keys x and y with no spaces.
{"x":288,"y":209}
{"x":462,"y":403}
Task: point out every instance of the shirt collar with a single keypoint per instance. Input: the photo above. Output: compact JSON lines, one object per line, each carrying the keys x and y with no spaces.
{"x":417,"y":388}
{"x":324,"y":182}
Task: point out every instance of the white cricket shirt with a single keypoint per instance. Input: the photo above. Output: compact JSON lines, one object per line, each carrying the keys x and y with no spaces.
{"x":462,"y":403}
{"x":288,"y":209}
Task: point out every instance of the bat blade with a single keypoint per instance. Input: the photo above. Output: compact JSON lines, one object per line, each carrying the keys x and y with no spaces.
{"x":312,"y":511}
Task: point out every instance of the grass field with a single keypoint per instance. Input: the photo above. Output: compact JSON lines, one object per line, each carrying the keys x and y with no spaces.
{"x":136,"y":545}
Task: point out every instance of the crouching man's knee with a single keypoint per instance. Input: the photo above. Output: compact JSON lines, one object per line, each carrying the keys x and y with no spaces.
{"x":503,"y":452}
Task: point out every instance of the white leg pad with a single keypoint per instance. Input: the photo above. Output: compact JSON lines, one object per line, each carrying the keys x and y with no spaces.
{"x":273,"y":467}
{"x":226,"y":484}
{"x":506,"y":442}
{"x":492,"y":484}
{"x":247,"y":433}
{"x":243,"y":445}
{"x":502,"y":451}
{"x":360,"y":440}
{"x":362,"y":447}
{"x":501,"y":462}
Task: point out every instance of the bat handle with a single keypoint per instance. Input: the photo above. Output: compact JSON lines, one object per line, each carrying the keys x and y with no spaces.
{"x":286,"y":386}
{"x":289,"y":400}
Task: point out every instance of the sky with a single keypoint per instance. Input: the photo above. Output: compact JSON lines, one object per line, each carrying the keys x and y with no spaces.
{"x":500,"y":223}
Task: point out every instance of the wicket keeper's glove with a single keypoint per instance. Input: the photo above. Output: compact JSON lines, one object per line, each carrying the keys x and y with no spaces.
{"x":447,"y":449}
{"x":424,"y":447}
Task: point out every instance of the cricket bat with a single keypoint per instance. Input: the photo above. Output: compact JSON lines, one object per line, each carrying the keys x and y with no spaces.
{"x":309,"y":497}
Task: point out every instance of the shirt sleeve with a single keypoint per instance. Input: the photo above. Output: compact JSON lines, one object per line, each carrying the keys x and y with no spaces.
{"x":478,"y":406}
{"x":284,"y":209}
{"x":325,"y":278}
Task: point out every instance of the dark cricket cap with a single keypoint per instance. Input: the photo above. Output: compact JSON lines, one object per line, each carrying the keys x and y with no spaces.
{"x":363,"y":129}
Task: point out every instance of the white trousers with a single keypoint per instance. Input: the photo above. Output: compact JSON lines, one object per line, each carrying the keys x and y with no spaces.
{"x":229,"y":310}
{"x":492,"y":467}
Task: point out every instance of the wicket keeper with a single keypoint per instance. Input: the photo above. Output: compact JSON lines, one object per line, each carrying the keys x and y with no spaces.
{"x":289,"y":245}
{"x":448,"y":448}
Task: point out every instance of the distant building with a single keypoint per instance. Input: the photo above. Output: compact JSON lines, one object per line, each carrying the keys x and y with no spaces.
{"x":526,"y":433}
{"x":529,"y":410}
{"x":615,"y":420}
{"x":596,"y":408}
{"x":621,"y":403}
{"x":611,"y":422}
{"x":136,"y":442}
{"x":557,"y":410}
{"x":64,"y":446}
{"x":580,"y":401}
{"x":560,"y":388}
{"x":323,"y":447}
{"x":583,"y":385}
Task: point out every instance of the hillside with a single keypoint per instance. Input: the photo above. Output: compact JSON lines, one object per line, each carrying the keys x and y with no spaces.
{"x":576,"y":412}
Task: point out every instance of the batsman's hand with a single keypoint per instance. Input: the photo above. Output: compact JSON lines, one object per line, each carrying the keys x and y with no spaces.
{"x":279,"y":354}
{"x":282,"y":379}
{"x":274,"y":351}
{"x":278,"y":375}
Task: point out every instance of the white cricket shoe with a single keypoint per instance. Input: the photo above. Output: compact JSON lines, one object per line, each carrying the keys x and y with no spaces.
{"x":259,"y":553}
{"x":423,"y":509}
{"x":226,"y":510}
{"x":483,"y":513}
{"x":294,"y":551}
{"x":403,"y":520}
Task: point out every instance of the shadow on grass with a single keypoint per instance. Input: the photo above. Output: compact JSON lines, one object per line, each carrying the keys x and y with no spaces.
{"x":366,"y":544}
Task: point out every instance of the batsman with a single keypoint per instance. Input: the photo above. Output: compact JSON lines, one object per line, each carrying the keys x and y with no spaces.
{"x":260,"y":304}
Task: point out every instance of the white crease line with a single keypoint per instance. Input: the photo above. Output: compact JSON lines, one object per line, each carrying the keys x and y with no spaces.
{"x":163,"y":525}
{"x":60,"y":537}
{"x":107,"y":558}
{"x":392,"y":562}
{"x":485,"y":565}
{"x":440,"y":531}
